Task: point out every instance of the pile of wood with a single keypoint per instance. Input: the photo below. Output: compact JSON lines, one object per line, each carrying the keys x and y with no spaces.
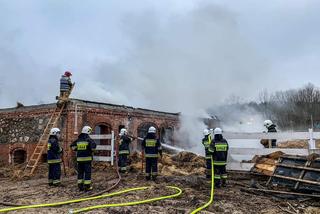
{"x":266,"y":164}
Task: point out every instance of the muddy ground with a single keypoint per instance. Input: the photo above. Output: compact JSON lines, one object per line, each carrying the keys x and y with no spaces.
{"x":196,"y":190}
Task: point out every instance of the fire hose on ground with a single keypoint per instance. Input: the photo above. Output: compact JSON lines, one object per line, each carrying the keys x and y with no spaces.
{"x":101,"y":195}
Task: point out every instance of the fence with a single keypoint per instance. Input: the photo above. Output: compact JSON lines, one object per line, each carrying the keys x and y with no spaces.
{"x":105,"y":148}
{"x":240,"y":166}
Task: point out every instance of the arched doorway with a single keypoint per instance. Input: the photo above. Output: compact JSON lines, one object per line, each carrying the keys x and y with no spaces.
{"x":143,"y":131}
{"x":166,"y":135}
{"x":102,"y":129}
{"x":19,"y":156}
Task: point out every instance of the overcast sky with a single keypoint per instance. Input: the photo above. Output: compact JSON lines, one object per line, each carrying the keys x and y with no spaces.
{"x":163,"y":54}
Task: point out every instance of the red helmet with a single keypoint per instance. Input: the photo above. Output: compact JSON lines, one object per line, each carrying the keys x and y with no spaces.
{"x":68,"y":73}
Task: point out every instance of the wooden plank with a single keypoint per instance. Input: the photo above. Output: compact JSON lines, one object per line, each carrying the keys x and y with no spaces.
{"x":274,"y":135}
{"x":101,"y":137}
{"x":296,"y":179}
{"x":102,"y":158}
{"x":257,"y":151}
{"x":299,"y":167}
{"x":103,"y":148}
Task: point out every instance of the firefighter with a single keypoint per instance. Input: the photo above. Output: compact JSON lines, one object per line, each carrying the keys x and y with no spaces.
{"x":54,"y":157}
{"x":219,"y":149}
{"x":124,"y":150}
{"x":271,"y":128}
{"x":152,"y":149}
{"x":84,"y":146}
{"x":65,"y":85}
{"x":206,"y":141}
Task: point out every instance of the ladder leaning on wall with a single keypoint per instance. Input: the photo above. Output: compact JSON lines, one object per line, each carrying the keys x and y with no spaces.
{"x":43,"y":141}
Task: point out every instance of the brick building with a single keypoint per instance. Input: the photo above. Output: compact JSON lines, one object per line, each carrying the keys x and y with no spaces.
{"x":21,"y":128}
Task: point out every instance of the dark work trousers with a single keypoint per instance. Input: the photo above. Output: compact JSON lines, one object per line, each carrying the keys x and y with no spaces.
{"x":151,"y":167}
{"x":54,"y":173}
{"x":208,"y":168}
{"x":220,"y":174}
{"x":123,"y":162}
{"x":84,"y":174}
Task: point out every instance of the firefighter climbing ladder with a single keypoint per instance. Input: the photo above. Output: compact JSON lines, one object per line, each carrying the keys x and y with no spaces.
{"x":42,"y":143}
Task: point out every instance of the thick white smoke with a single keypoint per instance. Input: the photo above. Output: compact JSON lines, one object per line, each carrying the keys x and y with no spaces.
{"x":187,"y":64}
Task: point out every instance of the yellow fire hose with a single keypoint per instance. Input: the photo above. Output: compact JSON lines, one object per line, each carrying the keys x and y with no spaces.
{"x":212,"y":191}
{"x":178,"y":193}
{"x":177,"y":189}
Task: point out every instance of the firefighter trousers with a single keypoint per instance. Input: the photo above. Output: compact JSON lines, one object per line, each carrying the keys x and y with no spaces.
{"x":54,"y":174}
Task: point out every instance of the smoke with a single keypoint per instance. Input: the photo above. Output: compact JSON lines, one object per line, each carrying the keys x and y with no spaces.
{"x":187,"y":64}
{"x":181,"y":62}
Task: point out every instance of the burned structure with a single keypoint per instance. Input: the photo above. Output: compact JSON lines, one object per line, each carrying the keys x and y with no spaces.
{"x":21,"y":128}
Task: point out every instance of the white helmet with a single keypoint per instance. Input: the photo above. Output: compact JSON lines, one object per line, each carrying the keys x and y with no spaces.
{"x":206,"y":132}
{"x":54,"y":131}
{"x":123,"y":132}
{"x":86,"y":130}
{"x":267,"y":123}
{"x":152,"y":130}
{"x":217,"y":131}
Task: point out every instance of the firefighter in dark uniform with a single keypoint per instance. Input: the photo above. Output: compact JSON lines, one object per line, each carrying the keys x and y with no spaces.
{"x":271,"y":128}
{"x":152,"y":149}
{"x":65,"y":84}
{"x":206,"y":141}
{"x":219,"y":148}
{"x":85,"y":147}
{"x":54,"y":157}
{"x":124,"y":150}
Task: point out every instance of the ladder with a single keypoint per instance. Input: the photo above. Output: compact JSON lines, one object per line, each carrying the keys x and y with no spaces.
{"x":43,"y":141}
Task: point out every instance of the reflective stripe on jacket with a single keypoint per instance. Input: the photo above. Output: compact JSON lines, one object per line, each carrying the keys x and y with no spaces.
{"x":84,"y":146}
{"x":54,"y":150}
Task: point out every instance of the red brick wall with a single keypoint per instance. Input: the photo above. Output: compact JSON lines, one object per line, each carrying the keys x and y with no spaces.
{"x":86,"y":115}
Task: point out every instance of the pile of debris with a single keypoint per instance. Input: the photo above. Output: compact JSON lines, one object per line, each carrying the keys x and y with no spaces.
{"x":266,"y":164}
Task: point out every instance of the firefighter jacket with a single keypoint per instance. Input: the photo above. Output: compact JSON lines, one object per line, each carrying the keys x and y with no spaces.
{"x":84,"y":146}
{"x":65,"y":83}
{"x":54,"y":150}
{"x":206,"y":141}
{"x":152,"y":146}
{"x":124,"y":145}
{"x":219,"y":149}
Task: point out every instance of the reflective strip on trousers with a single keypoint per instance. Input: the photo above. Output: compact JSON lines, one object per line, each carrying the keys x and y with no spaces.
{"x":224,"y":176}
{"x":56,"y":181}
{"x":124,"y":152}
{"x":54,"y":161}
{"x":219,"y":163}
{"x":83,"y":159}
{"x":151,"y":155}
{"x":87,"y":182}
{"x":80,"y":181}
{"x":218,"y":177}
